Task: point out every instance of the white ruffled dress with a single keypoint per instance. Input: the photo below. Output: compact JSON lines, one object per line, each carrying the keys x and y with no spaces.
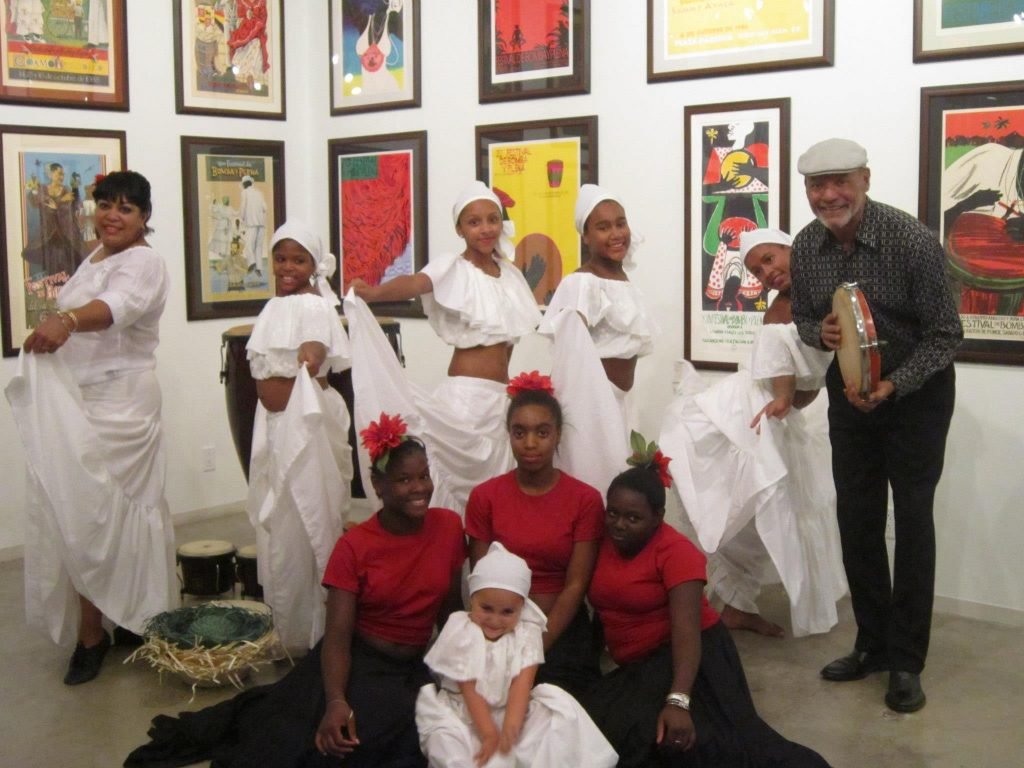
{"x":591,"y":318}
{"x":729,"y":475}
{"x":462,"y":421}
{"x":301,"y":464}
{"x":557,"y":731}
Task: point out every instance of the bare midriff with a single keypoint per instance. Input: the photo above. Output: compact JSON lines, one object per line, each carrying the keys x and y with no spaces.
{"x":620,"y":371}
{"x":275,"y":391}
{"x":490,"y":362}
{"x":390,"y":648}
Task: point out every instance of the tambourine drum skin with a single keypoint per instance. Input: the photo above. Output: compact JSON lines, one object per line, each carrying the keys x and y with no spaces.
{"x":207,"y":567}
{"x":246,"y":573}
{"x":859,"y":359}
{"x":241,"y":399}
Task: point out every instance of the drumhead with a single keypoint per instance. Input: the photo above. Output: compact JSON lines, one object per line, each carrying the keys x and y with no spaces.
{"x":238,"y":331}
{"x":247,"y":552}
{"x":857,"y":342}
{"x":206,"y":548}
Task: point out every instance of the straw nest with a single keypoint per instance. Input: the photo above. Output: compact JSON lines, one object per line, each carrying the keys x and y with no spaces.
{"x":211,"y":644}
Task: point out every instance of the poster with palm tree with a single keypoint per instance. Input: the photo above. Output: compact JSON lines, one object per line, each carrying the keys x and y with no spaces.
{"x":533,"y":48}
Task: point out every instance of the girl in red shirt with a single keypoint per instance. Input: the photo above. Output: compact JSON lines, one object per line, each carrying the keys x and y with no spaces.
{"x":551,"y":520}
{"x":679,"y":695}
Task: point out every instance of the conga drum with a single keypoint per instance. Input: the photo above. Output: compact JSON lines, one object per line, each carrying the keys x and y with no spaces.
{"x":247,"y":573}
{"x":858,"y":355}
{"x":240,"y":391}
{"x":207,"y":567}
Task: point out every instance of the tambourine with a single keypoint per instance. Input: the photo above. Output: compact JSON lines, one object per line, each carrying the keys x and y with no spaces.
{"x":859,"y":358}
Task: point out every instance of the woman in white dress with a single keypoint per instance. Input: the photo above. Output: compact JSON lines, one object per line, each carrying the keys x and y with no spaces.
{"x":98,"y":538}
{"x":754,"y":468}
{"x":484,"y":709}
{"x":480,"y":304}
{"x":599,"y":370}
{"x":301,"y":463}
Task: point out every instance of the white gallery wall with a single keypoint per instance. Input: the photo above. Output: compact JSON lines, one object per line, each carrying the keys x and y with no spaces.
{"x":872,"y":95}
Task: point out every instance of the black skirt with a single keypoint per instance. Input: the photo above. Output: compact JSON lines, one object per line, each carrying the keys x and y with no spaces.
{"x":573,"y":660}
{"x":273,"y":726}
{"x":626,"y":703}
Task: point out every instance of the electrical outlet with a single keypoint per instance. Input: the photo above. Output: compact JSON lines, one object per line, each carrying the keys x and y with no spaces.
{"x":209,"y":455}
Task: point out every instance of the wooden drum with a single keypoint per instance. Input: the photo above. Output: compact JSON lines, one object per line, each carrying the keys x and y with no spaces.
{"x":207,"y":567}
{"x":240,"y":391}
{"x":859,"y":359}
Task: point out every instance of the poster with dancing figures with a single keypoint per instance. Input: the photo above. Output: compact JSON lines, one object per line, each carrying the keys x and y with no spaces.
{"x":229,"y":58}
{"x":737,"y":170}
{"x":48,"y":177}
{"x":972,"y":194}
{"x":375,"y":55}
{"x":64,"y":53}
{"x":378,"y":204}
{"x":234,"y":200}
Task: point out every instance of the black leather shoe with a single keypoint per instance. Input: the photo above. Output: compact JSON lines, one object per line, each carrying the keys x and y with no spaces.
{"x":853,"y":666}
{"x":905,"y":693}
{"x":85,"y":662}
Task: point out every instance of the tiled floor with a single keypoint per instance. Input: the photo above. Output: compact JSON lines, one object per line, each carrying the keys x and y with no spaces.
{"x":974,"y":682}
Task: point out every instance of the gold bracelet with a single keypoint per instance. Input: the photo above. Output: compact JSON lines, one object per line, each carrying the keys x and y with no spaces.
{"x":74,"y":319}
{"x":61,"y":315}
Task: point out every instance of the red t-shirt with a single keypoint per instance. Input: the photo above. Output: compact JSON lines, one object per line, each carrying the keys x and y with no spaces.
{"x":540,"y":529}
{"x":399,"y":581}
{"x":631,"y":596}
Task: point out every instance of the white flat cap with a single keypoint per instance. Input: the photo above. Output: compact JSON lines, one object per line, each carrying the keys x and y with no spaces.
{"x":832,"y":156}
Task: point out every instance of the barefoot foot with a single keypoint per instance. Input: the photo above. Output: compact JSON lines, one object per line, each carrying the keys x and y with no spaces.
{"x":733,"y":618}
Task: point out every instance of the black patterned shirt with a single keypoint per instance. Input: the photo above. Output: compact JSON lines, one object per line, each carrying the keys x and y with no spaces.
{"x":900,"y":266}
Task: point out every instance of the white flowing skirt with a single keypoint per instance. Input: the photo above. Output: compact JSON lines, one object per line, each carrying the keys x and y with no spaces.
{"x":97,"y":522}
{"x":557,"y":732}
{"x":299,"y":493}
{"x":728,"y":474}
{"x":461,"y":422}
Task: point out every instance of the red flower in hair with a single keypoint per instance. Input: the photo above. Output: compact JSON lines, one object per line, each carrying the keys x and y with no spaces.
{"x":381,"y":436}
{"x":531,"y":380}
{"x":99,"y":177}
{"x":649,"y":455}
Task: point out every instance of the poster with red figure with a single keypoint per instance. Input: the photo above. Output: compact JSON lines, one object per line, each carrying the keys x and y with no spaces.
{"x":378,"y":200}
{"x":973,"y":196}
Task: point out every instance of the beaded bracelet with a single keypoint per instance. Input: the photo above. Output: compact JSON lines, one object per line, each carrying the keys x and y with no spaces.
{"x":680,"y":700}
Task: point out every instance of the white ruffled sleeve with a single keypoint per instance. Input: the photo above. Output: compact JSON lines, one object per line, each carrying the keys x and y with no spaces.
{"x":460,"y":651}
{"x":285,"y":323}
{"x":469,"y":308}
{"x":577,"y":292}
{"x":778,"y":351}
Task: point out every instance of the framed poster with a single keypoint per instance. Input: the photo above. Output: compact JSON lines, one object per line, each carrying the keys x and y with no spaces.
{"x":46,"y":197}
{"x":972,"y":193}
{"x":234,"y":200}
{"x":694,"y":38}
{"x":64,"y":53}
{"x":229,"y":58}
{"x":375,"y":54}
{"x":536,"y":168}
{"x":962,"y":29}
{"x":533,"y":49}
{"x":379,"y":211}
{"x":737,"y":179}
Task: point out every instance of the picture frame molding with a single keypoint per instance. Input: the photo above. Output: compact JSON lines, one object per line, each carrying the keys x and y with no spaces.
{"x":117,"y":100}
{"x":691,"y":178}
{"x":543,"y":86}
{"x":192,"y":147}
{"x":923,"y":10}
{"x":186,"y":105}
{"x":10,"y":349}
{"x":416,"y":141}
{"x":658,"y":72}
{"x":931,"y":169}
{"x":335,"y":65}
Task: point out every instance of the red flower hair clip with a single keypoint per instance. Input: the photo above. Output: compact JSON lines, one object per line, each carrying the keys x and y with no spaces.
{"x":649,"y":455}
{"x":532,"y":380}
{"x":381,"y":436}
{"x":99,"y":177}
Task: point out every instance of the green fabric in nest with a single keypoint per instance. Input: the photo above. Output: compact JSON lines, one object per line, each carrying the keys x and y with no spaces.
{"x":209,"y":625}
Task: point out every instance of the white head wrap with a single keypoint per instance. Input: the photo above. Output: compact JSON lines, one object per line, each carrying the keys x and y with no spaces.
{"x":325,"y":261}
{"x":477,"y":190}
{"x":755,"y":237}
{"x":589,"y":198}
{"x":500,"y":569}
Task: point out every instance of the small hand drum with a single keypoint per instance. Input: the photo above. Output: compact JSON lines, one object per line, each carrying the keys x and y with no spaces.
{"x":859,"y":359}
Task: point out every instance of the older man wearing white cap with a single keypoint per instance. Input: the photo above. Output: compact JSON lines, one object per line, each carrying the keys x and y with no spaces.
{"x":896,"y":435}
